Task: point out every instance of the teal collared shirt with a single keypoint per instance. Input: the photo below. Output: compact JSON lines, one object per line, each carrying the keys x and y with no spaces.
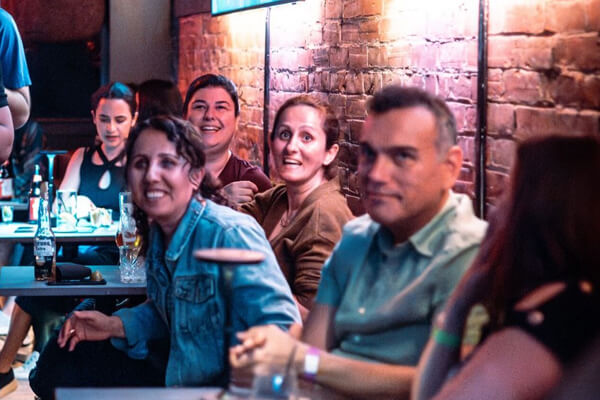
{"x":386,"y":295}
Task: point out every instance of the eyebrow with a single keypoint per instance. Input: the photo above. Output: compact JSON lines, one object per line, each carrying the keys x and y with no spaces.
{"x":390,"y":149}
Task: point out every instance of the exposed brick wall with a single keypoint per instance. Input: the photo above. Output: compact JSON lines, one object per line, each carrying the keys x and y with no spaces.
{"x":544,"y":67}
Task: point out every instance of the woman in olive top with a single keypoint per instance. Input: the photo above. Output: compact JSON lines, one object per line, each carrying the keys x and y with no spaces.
{"x":303,"y":218}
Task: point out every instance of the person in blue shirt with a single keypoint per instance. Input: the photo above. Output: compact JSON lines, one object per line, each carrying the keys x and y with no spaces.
{"x":16,"y":74}
{"x":186,"y":305}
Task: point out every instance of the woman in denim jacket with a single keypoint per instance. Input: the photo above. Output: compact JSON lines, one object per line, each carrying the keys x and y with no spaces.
{"x":186,"y":305}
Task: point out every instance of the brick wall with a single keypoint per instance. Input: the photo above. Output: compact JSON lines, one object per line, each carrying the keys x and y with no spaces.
{"x":544,"y":67}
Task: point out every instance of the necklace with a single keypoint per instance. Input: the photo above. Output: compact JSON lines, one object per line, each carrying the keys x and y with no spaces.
{"x":287,"y":218}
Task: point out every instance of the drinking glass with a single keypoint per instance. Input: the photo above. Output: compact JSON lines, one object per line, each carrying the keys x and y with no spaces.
{"x":67,"y":208}
{"x":7,"y":214}
{"x":274,"y":382}
{"x":131,"y":265}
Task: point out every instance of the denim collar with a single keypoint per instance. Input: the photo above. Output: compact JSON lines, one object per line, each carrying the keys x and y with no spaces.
{"x":185,"y":228}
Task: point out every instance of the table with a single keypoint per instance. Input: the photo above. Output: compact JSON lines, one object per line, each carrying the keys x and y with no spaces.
{"x":24,"y":233}
{"x":17,"y":205}
{"x":19,"y":281}
{"x":142,"y":393}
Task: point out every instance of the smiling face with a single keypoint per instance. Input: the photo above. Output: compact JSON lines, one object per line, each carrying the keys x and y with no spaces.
{"x":298,"y":146}
{"x":161,"y":181}
{"x":113,"y":120}
{"x":404,"y":178}
{"x":212,"y":111}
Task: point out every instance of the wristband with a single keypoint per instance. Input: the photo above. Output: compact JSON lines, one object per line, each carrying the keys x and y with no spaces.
{"x":445,"y":338}
{"x":311,"y":363}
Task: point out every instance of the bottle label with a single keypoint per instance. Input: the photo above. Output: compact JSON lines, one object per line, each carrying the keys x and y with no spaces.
{"x":6,"y":188}
{"x":44,"y":248}
{"x":34,"y":204}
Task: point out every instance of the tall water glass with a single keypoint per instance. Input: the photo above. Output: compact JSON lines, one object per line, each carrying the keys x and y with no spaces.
{"x":131,"y":266}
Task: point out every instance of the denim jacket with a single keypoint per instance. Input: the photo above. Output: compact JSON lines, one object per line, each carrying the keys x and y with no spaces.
{"x":186,"y":301}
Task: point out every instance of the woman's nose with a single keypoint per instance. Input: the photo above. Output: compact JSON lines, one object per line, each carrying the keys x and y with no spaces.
{"x":152,"y":173}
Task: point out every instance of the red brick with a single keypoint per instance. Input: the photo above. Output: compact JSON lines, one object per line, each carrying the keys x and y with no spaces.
{"x":348,"y":154}
{"x":331,"y":33}
{"x":467,"y":145}
{"x":591,"y":91}
{"x":350,"y":9}
{"x":368,"y":30}
{"x":350,"y":33}
{"x":370,"y":7}
{"x":337,"y":82}
{"x":355,"y":129}
{"x":517,"y":16}
{"x":501,"y":152}
{"x":500,"y":118}
{"x":496,"y":87}
{"x":357,"y":57}
{"x":353,"y":83}
{"x":579,"y":52}
{"x":565,"y":16}
{"x":459,"y":54}
{"x":523,"y":86}
{"x":215,"y":25}
{"x":356,"y":107}
{"x":399,"y":55}
{"x":333,"y":9}
{"x":291,"y":59}
{"x":512,"y":52}
{"x":318,"y":81}
{"x":338,"y":57}
{"x":377,"y":56}
{"x":320,"y":57}
{"x":536,"y":122}
{"x":424,"y":55}
{"x":497,"y":183}
{"x":289,"y":82}
{"x":593,"y":14}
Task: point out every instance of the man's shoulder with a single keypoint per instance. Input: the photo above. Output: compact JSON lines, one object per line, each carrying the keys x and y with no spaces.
{"x":464,"y":228}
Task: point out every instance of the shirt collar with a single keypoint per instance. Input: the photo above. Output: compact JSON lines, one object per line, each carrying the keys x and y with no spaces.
{"x":425,"y":238}
{"x":184,"y":229}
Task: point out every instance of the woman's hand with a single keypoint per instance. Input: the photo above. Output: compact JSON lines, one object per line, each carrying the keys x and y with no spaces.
{"x":240,"y":191}
{"x":91,"y":326}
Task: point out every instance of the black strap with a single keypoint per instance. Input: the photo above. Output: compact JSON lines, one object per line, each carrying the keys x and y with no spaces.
{"x":112,"y":162}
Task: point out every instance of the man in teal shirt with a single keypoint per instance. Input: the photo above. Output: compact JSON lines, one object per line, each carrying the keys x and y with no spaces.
{"x":394,"y":267}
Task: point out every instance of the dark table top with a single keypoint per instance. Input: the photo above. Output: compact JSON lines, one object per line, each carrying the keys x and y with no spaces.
{"x":19,"y":281}
{"x":24,"y":233}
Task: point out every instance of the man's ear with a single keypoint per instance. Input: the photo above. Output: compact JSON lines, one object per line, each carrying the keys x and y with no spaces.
{"x":453,"y":164}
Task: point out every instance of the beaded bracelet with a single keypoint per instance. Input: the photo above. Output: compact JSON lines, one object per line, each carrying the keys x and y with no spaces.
{"x":445,"y":338}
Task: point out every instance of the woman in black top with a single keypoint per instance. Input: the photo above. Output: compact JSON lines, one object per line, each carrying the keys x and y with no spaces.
{"x":537,"y":275}
{"x":97,"y":172}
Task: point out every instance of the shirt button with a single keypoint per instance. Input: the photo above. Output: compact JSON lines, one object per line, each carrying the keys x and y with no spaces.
{"x":361,"y":310}
{"x":356,"y":338}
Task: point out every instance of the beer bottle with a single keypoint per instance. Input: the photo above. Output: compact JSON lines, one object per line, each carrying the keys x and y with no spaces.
{"x":34,"y":195}
{"x":44,"y":243}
